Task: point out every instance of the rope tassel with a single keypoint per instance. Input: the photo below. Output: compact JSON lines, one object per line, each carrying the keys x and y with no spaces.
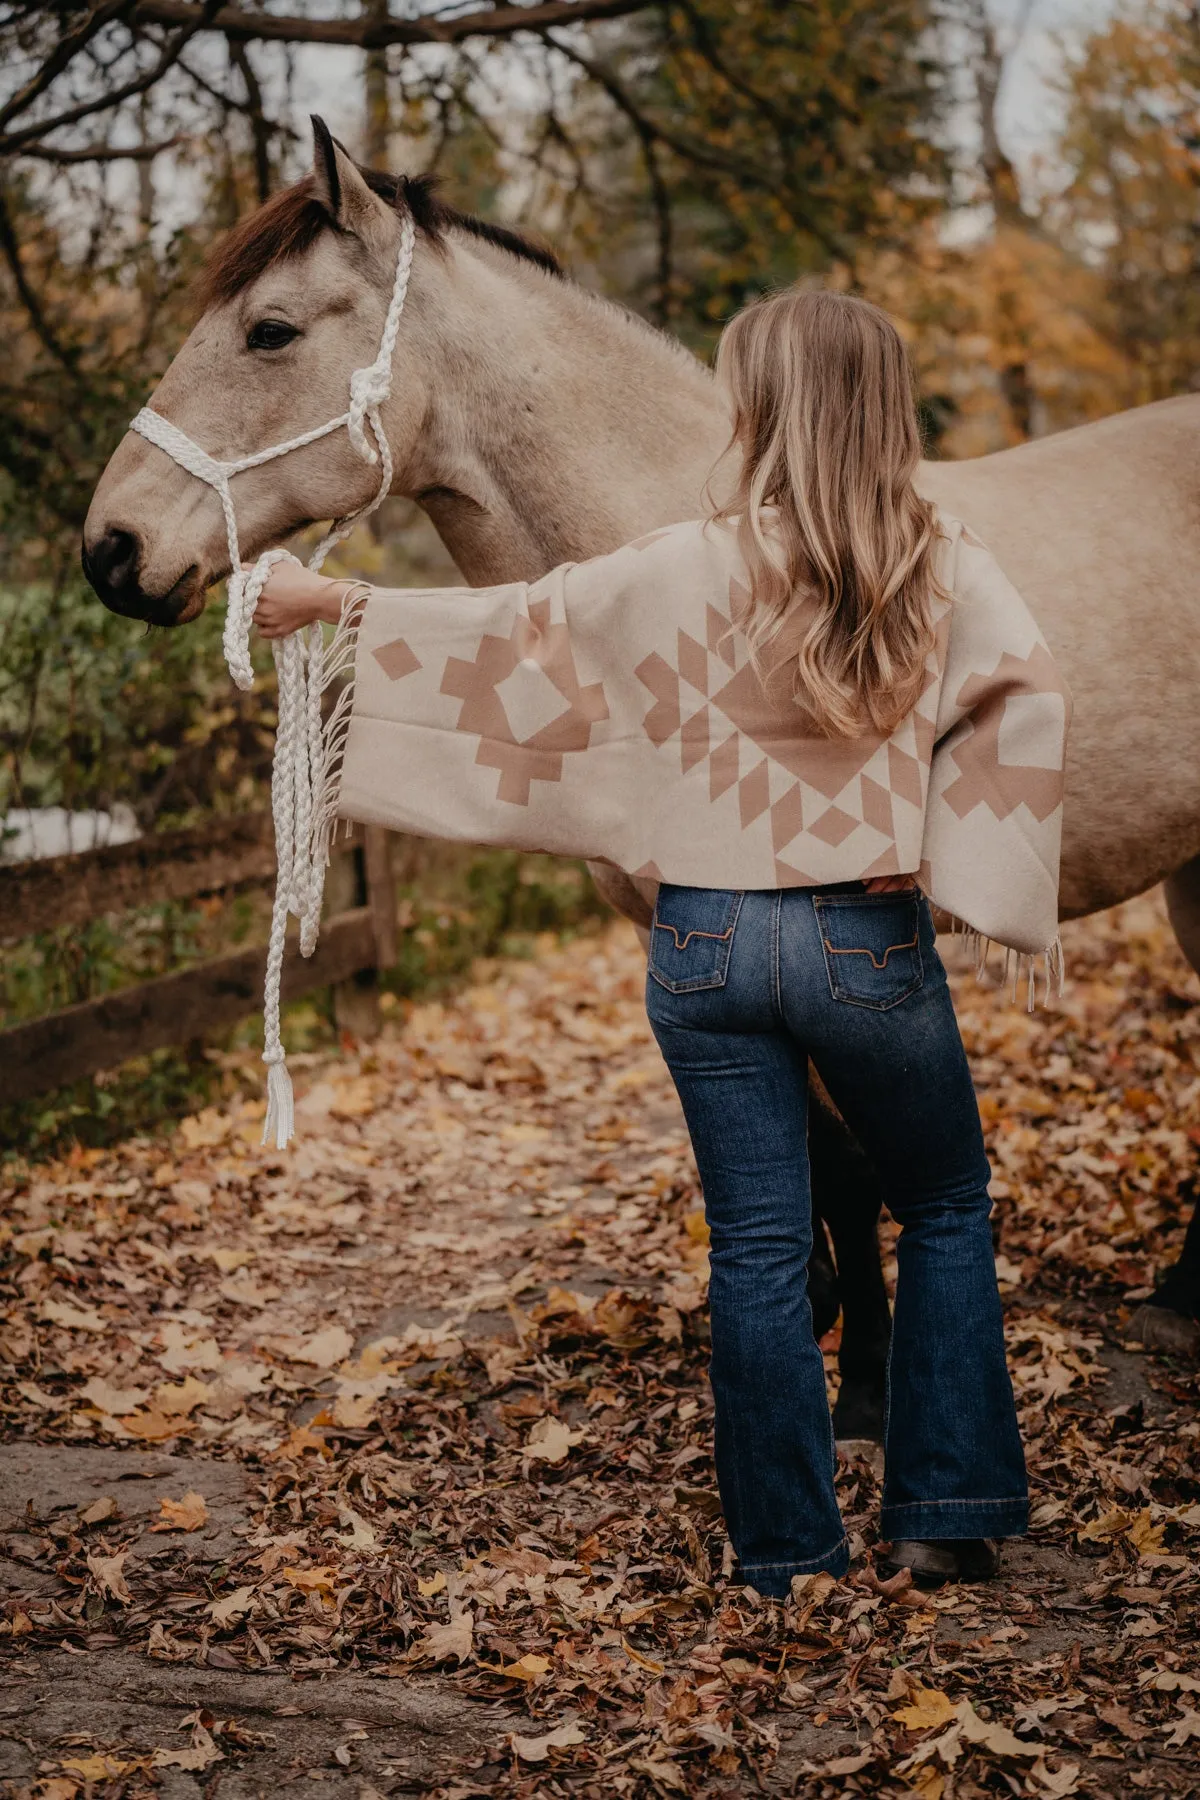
{"x":304,"y":774}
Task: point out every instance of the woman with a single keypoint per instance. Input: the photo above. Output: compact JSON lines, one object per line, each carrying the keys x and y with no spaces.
{"x":855,"y":698}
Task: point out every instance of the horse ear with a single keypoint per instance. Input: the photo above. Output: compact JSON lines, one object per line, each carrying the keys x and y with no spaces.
{"x":340,"y":188}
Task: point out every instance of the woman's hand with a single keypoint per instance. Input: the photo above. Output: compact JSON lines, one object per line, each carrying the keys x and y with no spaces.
{"x":890,"y":884}
{"x":293,"y":597}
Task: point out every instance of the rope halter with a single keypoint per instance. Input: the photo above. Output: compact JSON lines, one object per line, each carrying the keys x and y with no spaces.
{"x":304,"y":672}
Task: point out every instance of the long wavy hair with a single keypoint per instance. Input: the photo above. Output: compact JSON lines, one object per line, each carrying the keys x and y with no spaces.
{"x":838,"y":543}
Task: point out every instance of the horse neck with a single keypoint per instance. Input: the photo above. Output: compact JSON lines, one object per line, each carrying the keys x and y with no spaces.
{"x":558,"y":426}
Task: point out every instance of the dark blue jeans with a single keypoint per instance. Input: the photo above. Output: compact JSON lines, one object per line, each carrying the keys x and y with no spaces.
{"x":742,"y":990}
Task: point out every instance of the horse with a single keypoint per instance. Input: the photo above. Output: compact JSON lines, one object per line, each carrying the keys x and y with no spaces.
{"x":538,"y":423}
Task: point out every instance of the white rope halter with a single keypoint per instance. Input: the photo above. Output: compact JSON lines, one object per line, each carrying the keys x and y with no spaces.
{"x":297,"y":775}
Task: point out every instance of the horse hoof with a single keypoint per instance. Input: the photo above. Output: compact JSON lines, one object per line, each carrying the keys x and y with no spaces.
{"x":1160,"y":1329}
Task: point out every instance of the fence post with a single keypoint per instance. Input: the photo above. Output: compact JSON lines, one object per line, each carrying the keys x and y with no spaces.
{"x":362,"y":876}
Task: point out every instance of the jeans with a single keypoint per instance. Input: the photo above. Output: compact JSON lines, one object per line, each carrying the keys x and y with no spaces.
{"x":742,"y":989}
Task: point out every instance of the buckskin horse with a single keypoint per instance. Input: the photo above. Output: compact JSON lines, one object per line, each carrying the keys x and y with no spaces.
{"x":537,"y":423}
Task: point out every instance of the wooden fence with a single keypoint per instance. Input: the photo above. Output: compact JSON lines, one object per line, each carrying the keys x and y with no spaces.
{"x":222,"y":856}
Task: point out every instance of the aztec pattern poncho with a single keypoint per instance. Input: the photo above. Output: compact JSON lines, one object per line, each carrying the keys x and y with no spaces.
{"x":610,"y":711}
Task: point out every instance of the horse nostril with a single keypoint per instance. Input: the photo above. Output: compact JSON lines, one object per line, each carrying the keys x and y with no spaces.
{"x":111,"y":565}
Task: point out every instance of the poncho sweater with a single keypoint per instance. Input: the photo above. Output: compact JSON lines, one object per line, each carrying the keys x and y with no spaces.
{"x":611,"y":711}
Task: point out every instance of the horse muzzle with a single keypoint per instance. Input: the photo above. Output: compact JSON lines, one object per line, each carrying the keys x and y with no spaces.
{"x":112,"y":565}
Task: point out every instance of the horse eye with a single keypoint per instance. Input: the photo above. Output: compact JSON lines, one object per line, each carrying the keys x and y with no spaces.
{"x":270,"y":334}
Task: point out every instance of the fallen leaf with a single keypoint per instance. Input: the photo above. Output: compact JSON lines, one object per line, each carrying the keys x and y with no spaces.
{"x":72,"y":1318}
{"x":930,"y":1784}
{"x":108,"y":1576}
{"x":152,"y":1426}
{"x":1119,"y":1717}
{"x":233,"y":1606}
{"x":311,"y":1581}
{"x":537,"y":1749}
{"x":1056,"y":1783}
{"x":188,"y":1514}
{"x":434,"y":1585}
{"x":228,"y":1260}
{"x":301,"y":1439}
{"x":326,"y":1349}
{"x":201,"y":1753}
{"x":644,"y":1662}
{"x":550,"y":1440}
{"x":243,"y":1290}
{"x":114,"y":1400}
{"x":175,"y":1399}
{"x":529,"y":1667}
{"x":1146,"y":1538}
{"x":356,"y":1532}
{"x":1171,"y":1681}
{"x":44,"y":1402}
{"x":1108,"y":1526}
{"x":929,"y":1707}
{"x":354,"y":1411}
{"x":184,"y":1347}
{"x":662,"y":1773}
{"x":991,"y":1736}
{"x":353,"y":1099}
{"x":165,"y":1648}
{"x":103,"y":1508}
{"x":848,"y":1765}
{"x":1186,"y":1727}
{"x":445,"y":1643}
{"x":95,"y":1768}
{"x":205,"y":1128}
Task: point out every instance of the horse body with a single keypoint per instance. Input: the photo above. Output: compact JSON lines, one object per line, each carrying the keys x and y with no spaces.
{"x":538,"y":424}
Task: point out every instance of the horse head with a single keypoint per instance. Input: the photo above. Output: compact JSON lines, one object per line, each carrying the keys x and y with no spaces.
{"x":293,"y":302}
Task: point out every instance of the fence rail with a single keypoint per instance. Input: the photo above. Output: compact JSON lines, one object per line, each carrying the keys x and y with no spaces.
{"x":79,"y":1041}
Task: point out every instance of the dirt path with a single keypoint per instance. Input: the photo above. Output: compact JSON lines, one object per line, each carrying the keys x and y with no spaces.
{"x":385,"y":1464}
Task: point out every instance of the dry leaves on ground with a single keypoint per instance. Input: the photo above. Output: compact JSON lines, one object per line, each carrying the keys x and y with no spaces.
{"x":468,"y":1391}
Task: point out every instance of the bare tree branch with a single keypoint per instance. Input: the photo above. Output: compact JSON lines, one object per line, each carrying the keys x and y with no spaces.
{"x":101,"y":153}
{"x":10,"y":249}
{"x":67,"y":48}
{"x":660,"y":196}
{"x":370,"y":33}
{"x":15,"y":141}
{"x":260,"y":129}
{"x":699,"y":152}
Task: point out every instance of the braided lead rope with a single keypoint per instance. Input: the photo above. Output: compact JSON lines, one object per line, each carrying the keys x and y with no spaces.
{"x":302,"y":757}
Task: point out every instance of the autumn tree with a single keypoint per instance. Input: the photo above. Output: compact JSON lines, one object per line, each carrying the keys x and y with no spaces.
{"x":1131,"y":207}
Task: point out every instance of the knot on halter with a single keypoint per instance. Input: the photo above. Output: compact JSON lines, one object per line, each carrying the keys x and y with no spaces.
{"x":369,"y":388}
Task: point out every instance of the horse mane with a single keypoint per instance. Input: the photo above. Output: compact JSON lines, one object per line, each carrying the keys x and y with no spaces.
{"x":290,"y":222}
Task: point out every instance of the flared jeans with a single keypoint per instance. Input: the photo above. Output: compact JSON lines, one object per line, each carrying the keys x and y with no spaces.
{"x":742,"y":989}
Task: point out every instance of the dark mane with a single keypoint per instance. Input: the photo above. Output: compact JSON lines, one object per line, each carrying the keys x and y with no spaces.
{"x":292,"y":220}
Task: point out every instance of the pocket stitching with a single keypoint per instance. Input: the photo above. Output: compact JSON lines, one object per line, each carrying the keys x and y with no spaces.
{"x":718,"y":937}
{"x":912,"y":944}
{"x":701,"y":983}
{"x":836,"y":989}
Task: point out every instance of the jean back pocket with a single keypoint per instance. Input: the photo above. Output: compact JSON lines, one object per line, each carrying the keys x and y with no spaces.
{"x":872,"y":946}
{"x":692,"y":937}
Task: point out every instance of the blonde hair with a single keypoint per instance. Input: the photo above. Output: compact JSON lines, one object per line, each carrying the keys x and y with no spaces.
{"x":825,"y":508}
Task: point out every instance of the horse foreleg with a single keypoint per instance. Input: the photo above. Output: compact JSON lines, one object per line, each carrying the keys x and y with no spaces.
{"x":846,"y":1196}
{"x":1170,"y":1319}
{"x":1183,"y":909}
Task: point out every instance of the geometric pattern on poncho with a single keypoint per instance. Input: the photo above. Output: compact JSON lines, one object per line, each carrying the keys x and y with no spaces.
{"x":711,"y":704}
{"x":986,"y":778}
{"x":533,"y":669}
